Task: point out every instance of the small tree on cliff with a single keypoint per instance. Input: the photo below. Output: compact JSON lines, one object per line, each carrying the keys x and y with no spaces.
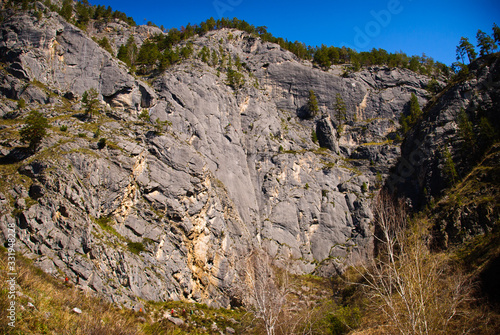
{"x":35,"y":130}
{"x":408,"y":121}
{"x":340,"y":112}
{"x":235,"y":79}
{"x":465,"y":48}
{"x":90,"y":102}
{"x":485,"y":43}
{"x":312,"y":104}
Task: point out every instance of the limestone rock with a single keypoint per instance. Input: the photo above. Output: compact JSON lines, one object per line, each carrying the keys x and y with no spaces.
{"x":58,"y":54}
{"x":173,"y":206}
{"x":327,"y":134}
{"x":176,"y":321}
{"x":421,"y":166}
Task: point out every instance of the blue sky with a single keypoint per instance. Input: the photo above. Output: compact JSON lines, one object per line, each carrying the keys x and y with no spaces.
{"x":412,"y":26}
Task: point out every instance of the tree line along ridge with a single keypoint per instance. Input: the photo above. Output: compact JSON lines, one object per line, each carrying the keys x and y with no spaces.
{"x":161,"y":51}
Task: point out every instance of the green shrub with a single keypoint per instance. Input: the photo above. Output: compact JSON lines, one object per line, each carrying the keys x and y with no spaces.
{"x":144,"y":115}
{"x":63,"y":128}
{"x":235,"y":79}
{"x":433,"y":87}
{"x":104,"y":43}
{"x":135,"y":247}
{"x":364,"y":187}
{"x":21,"y":103}
{"x":314,"y":136}
{"x":102,"y":143}
{"x":344,"y":320}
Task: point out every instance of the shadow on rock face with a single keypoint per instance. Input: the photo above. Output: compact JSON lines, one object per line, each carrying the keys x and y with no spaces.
{"x":16,"y":155}
{"x":490,"y":277}
{"x":305,"y":113}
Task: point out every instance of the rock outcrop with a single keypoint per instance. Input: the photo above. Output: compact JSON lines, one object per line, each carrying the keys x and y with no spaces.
{"x":170,"y":207}
{"x":451,"y":144}
{"x":421,"y":174}
{"x":61,"y":56}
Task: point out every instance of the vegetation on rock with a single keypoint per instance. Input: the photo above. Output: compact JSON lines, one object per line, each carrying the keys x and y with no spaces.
{"x":35,"y":130}
{"x":90,"y":102}
{"x":413,"y":115}
{"x":312,"y":104}
{"x":149,"y":217}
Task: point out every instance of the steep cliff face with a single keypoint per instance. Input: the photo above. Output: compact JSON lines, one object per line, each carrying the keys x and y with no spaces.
{"x":458,"y":120}
{"x":195,"y":173}
{"x":57,"y":54}
{"x":451,"y":145}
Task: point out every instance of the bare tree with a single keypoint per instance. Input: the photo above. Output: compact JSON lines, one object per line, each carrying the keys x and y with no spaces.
{"x":264,"y":289}
{"x":412,"y":287}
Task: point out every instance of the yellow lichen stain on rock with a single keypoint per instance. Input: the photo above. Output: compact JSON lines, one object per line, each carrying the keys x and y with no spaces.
{"x":130,"y":195}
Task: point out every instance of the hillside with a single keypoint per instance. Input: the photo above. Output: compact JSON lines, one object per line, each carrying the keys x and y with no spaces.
{"x":160,"y":188}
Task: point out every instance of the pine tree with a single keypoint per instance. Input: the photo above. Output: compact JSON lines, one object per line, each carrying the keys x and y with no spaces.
{"x":340,"y":110}
{"x":127,"y":53}
{"x":148,"y":55}
{"x":449,"y":167}
{"x":235,"y":79}
{"x":487,"y":133}
{"x":204,"y":54}
{"x":414,"y":64}
{"x":485,"y":43}
{"x":408,"y":121}
{"x":415,"y":110}
{"x":312,"y":104}
{"x":465,"y":130}
{"x":465,"y":48}
{"x":66,"y":9}
{"x":83,"y":14}
{"x":90,"y":102}
{"x":321,"y":57}
{"x":215,"y":58}
{"x":496,"y":33}
{"x":35,"y":130}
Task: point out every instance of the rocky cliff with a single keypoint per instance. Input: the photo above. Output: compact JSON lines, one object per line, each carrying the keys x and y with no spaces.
{"x":194,"y":173}
{"x":452,"y":144}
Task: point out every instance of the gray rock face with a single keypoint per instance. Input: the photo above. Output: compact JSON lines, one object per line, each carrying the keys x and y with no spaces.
{"x":327,"y":135}
{"x":118,"y":32}
{"x":63,"y":57}
{"x":420,"y":174}
{"x":171,"y":208}
{"x":438,"y":142}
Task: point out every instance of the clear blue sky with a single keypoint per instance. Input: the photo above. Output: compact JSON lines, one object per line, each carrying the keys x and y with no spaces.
{"x":412,"y":26}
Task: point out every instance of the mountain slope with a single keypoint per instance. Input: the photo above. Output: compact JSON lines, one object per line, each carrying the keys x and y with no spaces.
{"x":196,"y":170}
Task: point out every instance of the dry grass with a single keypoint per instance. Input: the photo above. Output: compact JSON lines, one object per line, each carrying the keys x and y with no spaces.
{"x":412,"y":290}
{"x":44,"y":306}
